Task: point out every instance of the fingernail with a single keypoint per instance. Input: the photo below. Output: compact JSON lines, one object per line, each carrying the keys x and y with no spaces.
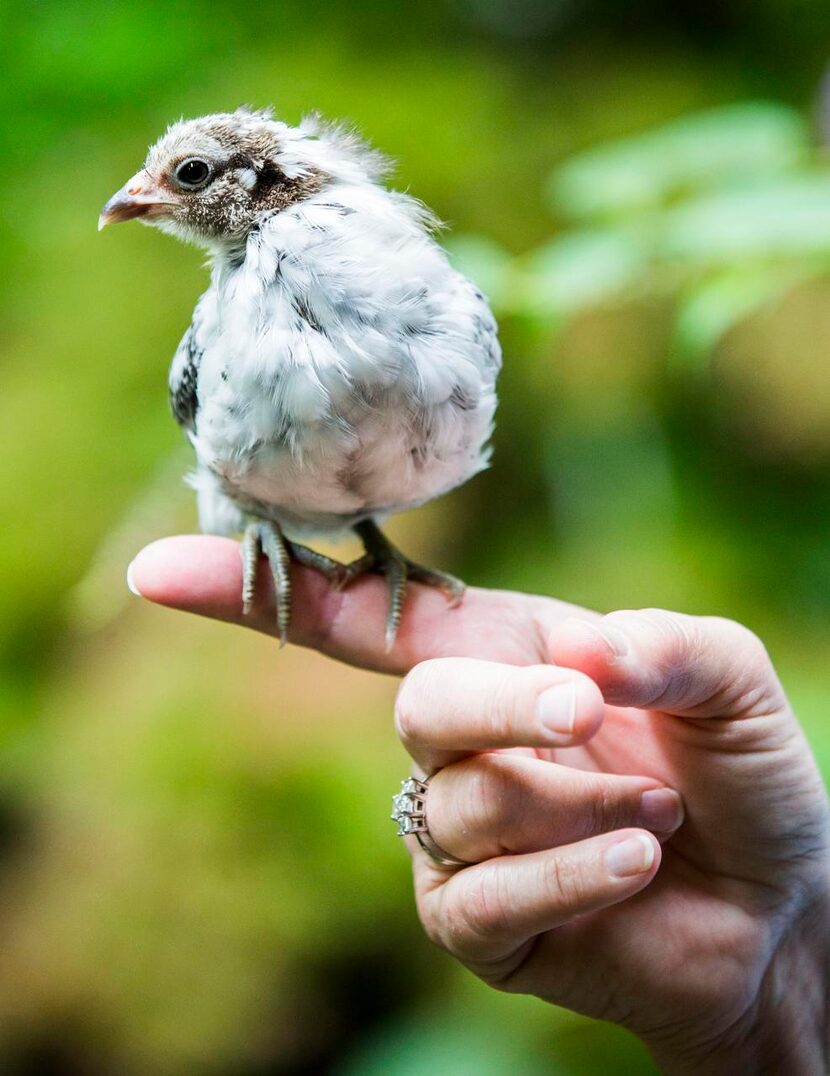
{"x":635,"y":855}
{"x":131,"y":582}
{"x":615,"y":639}
{"x":556,"y":710}
{"x":661,"y":810}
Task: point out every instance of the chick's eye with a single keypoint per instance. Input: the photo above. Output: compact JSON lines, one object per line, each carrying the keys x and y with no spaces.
{"x":193,"y":173}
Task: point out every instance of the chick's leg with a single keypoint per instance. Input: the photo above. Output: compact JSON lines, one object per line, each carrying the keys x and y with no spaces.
{"x":385,"y":559}
{"x":266,"y":537}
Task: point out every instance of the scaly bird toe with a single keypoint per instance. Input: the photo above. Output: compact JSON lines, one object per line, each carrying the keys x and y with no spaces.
{"x":332,"y":569}
{"x":385,"y":559}
{"x":267,"y":537}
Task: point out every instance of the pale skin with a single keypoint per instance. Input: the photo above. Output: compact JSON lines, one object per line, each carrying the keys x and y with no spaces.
{"x":696,"y":915}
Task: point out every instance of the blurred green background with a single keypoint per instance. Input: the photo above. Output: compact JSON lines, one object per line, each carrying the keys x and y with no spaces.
{"x":197,"y":872}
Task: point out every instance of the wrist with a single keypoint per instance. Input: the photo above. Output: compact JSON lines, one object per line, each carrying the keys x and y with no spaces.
{"x":785,"y":1029}
{"x":780,"y":1047}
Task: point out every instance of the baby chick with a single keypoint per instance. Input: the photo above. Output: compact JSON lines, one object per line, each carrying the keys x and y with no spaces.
{"x":337,"y":370}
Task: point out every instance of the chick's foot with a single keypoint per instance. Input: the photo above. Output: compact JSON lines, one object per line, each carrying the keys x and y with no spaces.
{"x":267,"y":538}
{"x":385,"y":559}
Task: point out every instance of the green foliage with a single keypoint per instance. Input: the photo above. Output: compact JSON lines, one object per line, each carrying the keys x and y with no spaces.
{"x":725,"y":210}
{"x":577,"y":271}
{"x":704,"y":150}
{"x":720,"y":300}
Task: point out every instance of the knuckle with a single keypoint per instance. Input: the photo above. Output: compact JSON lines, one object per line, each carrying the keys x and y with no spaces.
{"x":673,"y":630}
{"x":447,"y":930}
{"x":487,"y":794}
{"x":608,"y":810}
{"x":406,"y":720}
{"x":432,"y":925}
{"x":420,"y":693}
{"x":743,"y":639}
{"x":563,"y":877}
{"x":667,"y":627}
{"x":706,"y":662}
{"x":688,"y":637}
{"x":755,"y":688}
{"x":409,"y":700}
{"x":502,"y":707}
{"x":483,"y":914}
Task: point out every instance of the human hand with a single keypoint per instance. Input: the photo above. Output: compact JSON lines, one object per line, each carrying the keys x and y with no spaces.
{"x":719,"y":958}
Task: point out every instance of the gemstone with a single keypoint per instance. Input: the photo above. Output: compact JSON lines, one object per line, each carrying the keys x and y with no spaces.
{"x":407,"y":807}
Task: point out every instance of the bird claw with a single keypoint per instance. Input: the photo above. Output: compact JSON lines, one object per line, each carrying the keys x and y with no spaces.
{"x":267,"y":537}
{"x":383,"y":558}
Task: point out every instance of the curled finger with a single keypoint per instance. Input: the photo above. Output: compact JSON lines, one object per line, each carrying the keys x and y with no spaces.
{"x":448,"y":707}
{"x":489,"y":912}
{"x":496,"y":803}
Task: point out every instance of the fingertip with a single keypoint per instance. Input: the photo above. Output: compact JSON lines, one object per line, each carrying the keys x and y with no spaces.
{"x":131,"y":584}
{"x":589,"y":708}
{"x":634,"y":855}
{"x":191,"y":572}
{"x":569,"y":711}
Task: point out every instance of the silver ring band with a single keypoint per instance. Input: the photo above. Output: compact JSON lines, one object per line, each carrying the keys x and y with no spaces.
{"x":410,"y":812}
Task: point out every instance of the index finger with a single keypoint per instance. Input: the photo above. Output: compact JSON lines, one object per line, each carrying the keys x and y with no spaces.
{"x":201,"y":574}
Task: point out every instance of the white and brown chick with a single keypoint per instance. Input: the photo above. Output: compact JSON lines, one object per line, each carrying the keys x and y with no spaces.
{"x":337,"y":370}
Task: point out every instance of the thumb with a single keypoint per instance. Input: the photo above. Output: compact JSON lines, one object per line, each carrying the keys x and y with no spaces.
{"x":684,"y":665}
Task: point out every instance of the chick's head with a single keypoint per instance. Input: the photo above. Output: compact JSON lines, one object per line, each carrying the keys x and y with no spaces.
{"x":210,"y":180}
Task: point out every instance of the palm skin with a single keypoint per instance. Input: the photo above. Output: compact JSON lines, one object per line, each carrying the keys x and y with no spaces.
{"x":702,"y":945}
{"x":720,"y":962}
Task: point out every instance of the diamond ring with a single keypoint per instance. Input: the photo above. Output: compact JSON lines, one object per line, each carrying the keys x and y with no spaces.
{"x":409,"y":810}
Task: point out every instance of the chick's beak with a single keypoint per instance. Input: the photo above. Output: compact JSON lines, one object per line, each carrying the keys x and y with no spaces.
{"x":139,"y":197}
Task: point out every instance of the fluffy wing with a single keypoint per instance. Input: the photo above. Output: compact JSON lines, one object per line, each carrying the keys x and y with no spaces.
{"x":184,"y":372}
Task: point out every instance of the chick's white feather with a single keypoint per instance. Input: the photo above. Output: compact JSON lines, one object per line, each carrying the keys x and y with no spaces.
{"x":337,"y":368}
